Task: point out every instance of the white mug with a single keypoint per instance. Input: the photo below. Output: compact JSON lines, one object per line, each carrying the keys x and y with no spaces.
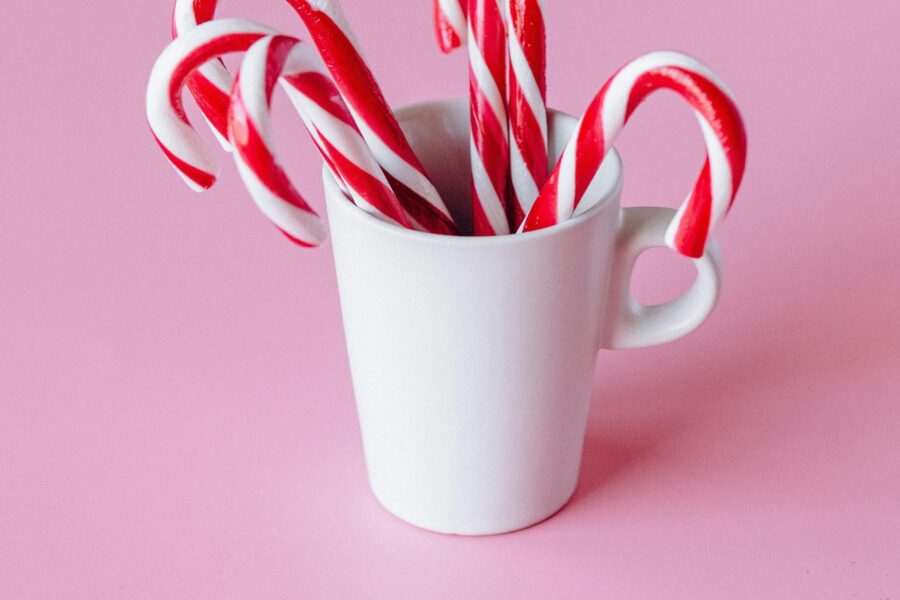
{"x":473,"y":357}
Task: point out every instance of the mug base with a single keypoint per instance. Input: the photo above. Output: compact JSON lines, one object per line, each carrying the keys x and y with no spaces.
{"x":473,"y":527}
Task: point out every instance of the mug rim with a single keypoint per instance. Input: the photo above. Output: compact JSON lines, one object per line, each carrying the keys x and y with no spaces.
{"x":334,"y":196}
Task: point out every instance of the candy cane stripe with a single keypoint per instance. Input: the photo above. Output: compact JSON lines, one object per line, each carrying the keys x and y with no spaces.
{"x":527,"y":88}
{"x":450,"y":23}
{"x":373,"y":191}
{"x":210,"y":84}
{"x":286,"y":59}
{"x":321,"y":93}
{"x":344,"y":136}
{"x":197,"y":179}
{"x":300,"y":225}
{"x":523,"y":180}
{"x":487,"y":78}
{"x":723,"y":133}
{"x":333,"y":38}
{"x":694,"y":217}
{"x":526,"y":100}
{"x":165,"y":113}
{"x":489,"y":133}
{"x":489,"y":204}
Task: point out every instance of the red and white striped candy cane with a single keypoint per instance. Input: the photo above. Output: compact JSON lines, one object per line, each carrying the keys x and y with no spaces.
{"x":527,"y":105}
{"x":210,"y":85}
{"x":450,"y":24}
{"x":723,"y":133}
{"x":172,"y":130}
{"x":165,"y":113}
{"x":312,"y":92}
{"x":333,"y":38}
{"x":489,"y":133}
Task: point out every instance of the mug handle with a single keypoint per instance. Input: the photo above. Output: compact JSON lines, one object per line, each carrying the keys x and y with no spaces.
{"x":633,"y":325}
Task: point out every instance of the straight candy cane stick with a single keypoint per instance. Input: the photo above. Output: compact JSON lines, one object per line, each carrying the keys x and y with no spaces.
{"x":335,"y":42}
{"x":312,"y":92}
{"x":723,"y":133}
{"x":489,"y":134}
{"x":450,"y":24}
{"x":527,"y":105}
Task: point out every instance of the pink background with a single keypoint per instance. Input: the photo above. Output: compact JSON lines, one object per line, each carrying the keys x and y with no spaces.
{"x":176,"y":417}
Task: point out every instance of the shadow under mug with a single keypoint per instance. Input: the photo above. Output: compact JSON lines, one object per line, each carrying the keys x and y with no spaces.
{"x":473,"y":358}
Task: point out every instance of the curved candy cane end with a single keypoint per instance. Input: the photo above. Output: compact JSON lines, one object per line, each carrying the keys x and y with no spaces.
{"x":683,"y":242}
{"x":447,"y":39}
{"x":256,"y":162}
{"x":448,"y":45}
{"x":178,"y":140}
{"x":199,"y":182}
{"x":294,"y":240}
{"x":449,"y":27}
{"x":313,"y":238}
{"x":198,"y":178}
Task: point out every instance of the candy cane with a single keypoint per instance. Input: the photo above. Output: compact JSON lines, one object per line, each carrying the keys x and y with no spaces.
{"x":489,"y":134}
{"x":165,"y":112}
{"x":178,"y":140}
{"x":333,"y":38}
{"x":210,"y":85}
{"x":312,"y":92}
{"x":527,"y":105}
{"x":450,"y":23}
{"x":723,"y":133}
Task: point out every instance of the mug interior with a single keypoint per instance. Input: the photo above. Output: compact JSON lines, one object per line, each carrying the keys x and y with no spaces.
{"x":438,"y":132}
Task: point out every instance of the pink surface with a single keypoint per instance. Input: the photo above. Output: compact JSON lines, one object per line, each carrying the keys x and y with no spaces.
{"x":176,"y":417}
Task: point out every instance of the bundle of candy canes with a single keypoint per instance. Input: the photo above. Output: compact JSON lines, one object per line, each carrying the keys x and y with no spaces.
{"x":514,"y":189}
